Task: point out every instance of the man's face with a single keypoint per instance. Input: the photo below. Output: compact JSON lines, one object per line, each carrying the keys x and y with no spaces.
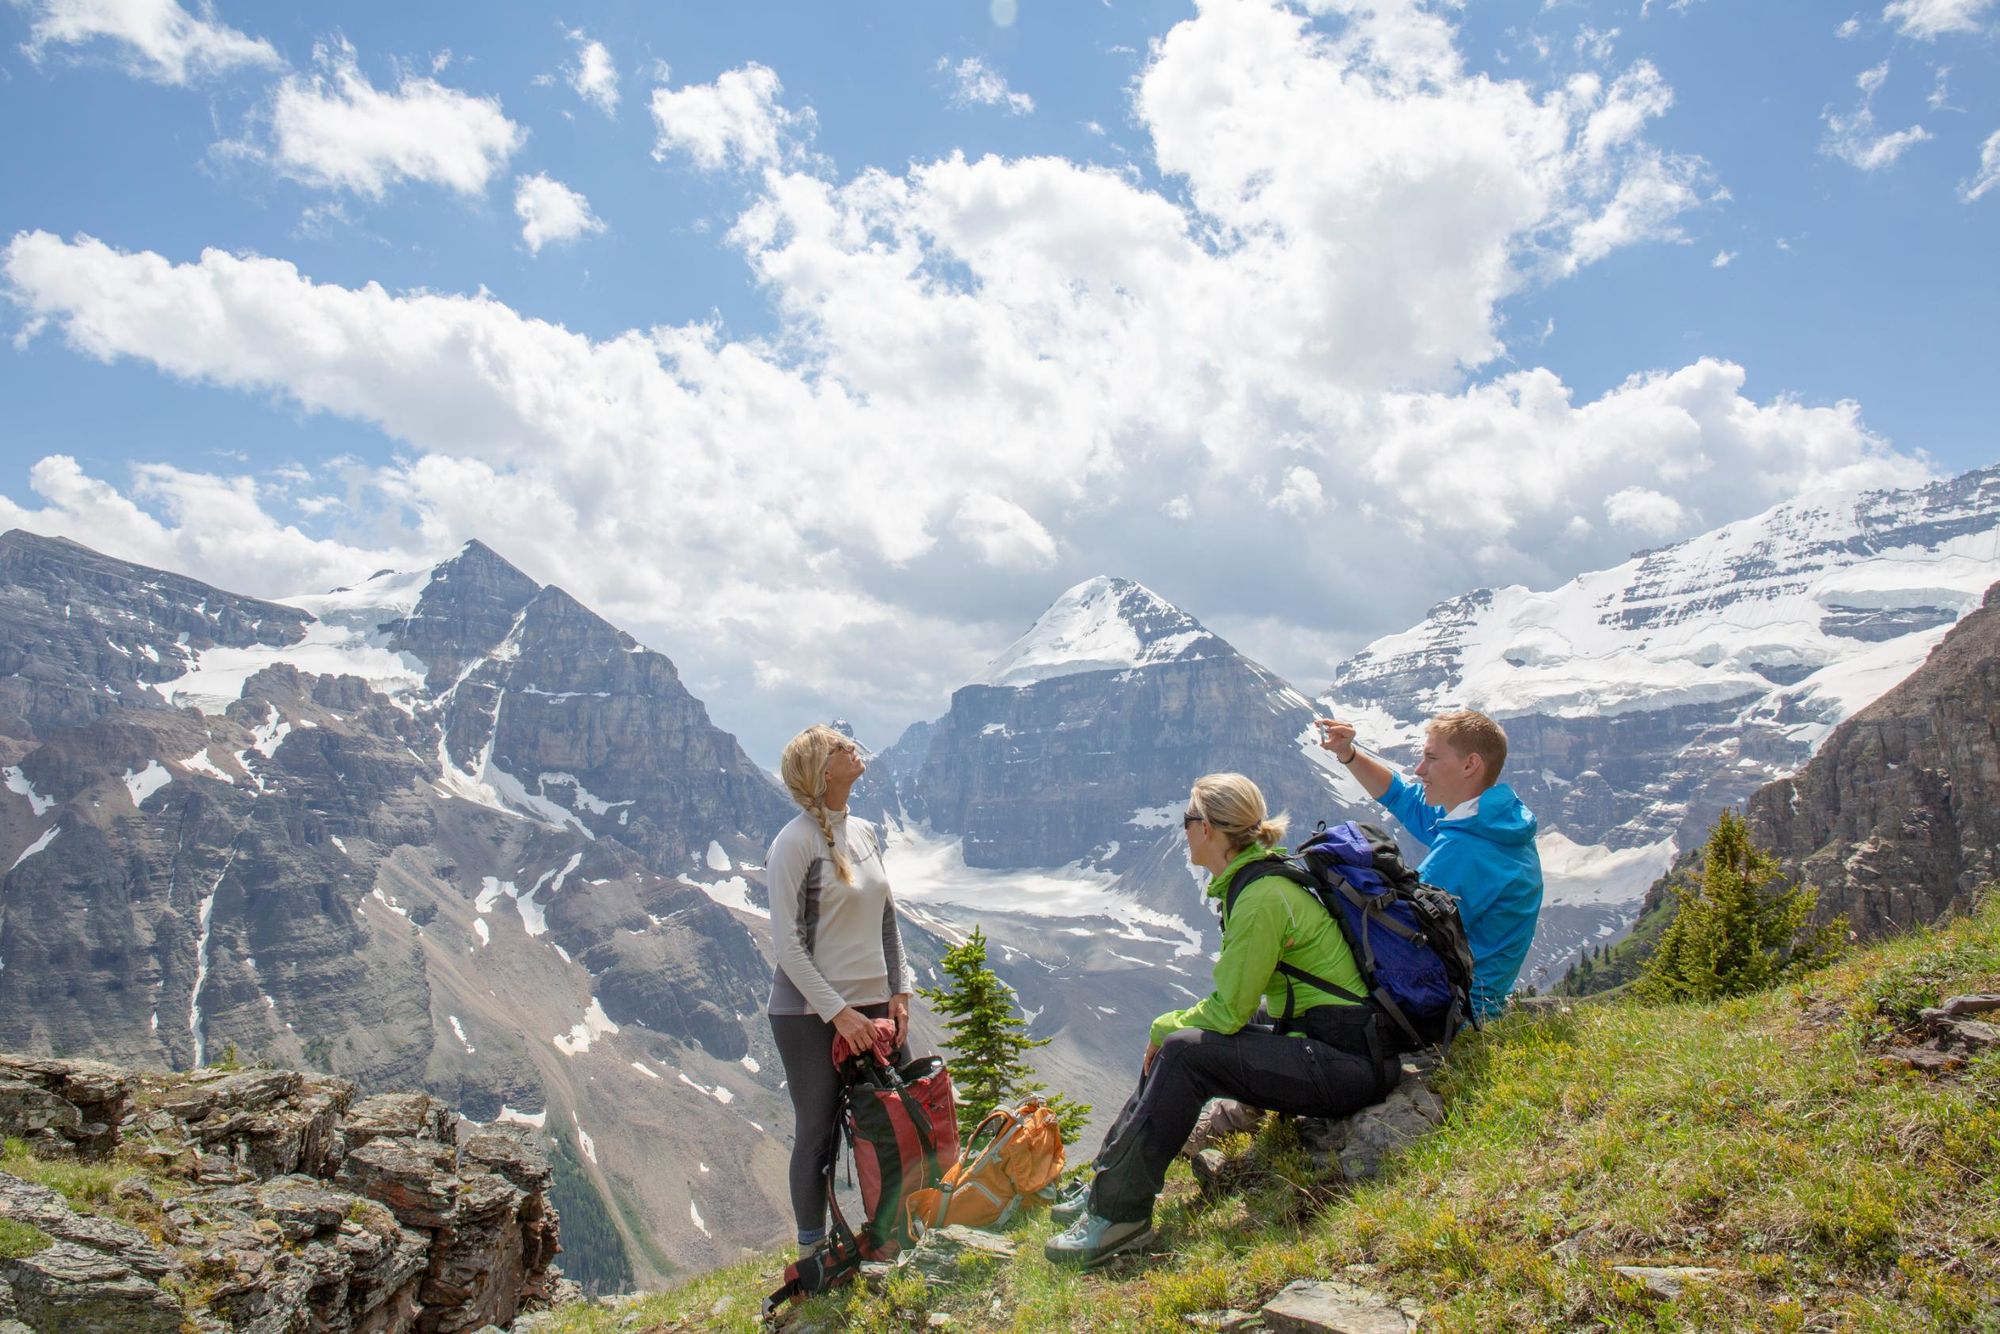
{"x":1448,"y":775}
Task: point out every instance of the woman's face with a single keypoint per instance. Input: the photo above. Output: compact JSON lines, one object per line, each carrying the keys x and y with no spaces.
{"x":845,"y":765}
{"x":1201,"y":836}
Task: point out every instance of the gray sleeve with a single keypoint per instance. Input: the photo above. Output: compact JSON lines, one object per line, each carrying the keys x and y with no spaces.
{"x":901,"y":979}
{"x":785,"y":870}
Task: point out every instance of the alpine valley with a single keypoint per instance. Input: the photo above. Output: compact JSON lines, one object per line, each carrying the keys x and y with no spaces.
{"x":448,"y":829}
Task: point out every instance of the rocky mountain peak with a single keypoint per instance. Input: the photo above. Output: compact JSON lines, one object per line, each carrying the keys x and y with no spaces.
{"x":1102,"y":624}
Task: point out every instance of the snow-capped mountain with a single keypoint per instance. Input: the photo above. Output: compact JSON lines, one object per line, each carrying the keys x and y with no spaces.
{"x":1102,"y":624}
{"x":1641,"y":700}
{"x":1045,"y":806}
{"x":446,"y":829}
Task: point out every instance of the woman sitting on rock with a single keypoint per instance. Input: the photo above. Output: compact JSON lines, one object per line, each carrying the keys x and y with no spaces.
{"x":1324,"y":1058}
{"x":839,"y":952}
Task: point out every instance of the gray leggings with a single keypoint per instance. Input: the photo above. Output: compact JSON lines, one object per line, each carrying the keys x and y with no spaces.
{"x":805,"y":1048}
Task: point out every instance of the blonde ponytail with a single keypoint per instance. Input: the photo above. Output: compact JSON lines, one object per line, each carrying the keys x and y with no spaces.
{"x":1235,"y":805}
{"x":803,"y":767}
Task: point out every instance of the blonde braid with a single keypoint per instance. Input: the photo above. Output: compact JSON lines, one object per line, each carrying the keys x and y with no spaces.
{"x":803,"y":768}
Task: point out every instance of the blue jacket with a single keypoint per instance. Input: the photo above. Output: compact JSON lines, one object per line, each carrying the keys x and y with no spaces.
{"x":1489,"y":863}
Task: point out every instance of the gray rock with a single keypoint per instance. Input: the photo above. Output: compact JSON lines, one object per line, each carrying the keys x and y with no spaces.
{"x":28,"y":1109}
{"x":40,"y":1207}
{"x":1668,"y":1281}
{"x":1957,"y":1007}
{"x":405,"y":1115}
{"x":1331,"y":1307}
{"x":939,"y":1254}
{"x":81,"y":1291}
{"x":1361,"y":1142}
{"x":412,"y":1178}
{"x":1228,"y":1320}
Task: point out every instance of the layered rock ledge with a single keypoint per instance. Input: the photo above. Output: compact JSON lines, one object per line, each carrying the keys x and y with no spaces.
{"x":261,"y":1200}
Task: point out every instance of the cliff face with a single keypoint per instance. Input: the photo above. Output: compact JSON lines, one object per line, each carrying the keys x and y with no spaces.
{"x":445,"y":830}
{"x":1897,"y":818}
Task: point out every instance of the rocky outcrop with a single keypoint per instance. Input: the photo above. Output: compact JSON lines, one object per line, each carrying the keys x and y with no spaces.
{"x":1897,"y":818}
{"x":283,"y":1205}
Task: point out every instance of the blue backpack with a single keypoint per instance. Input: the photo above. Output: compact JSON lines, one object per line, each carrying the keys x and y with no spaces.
{"x":1406,"y":935}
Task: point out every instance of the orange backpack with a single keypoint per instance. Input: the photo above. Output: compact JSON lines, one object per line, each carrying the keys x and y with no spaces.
{"x":1010,"y":1158}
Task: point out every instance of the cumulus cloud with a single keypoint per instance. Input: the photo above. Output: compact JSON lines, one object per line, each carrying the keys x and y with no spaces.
{"x":1931,"y":19}
{"x":992,"y":376}
{"x":1645,"y":511}
{"x":551,"y":212}
{"x":735,"y":121}
{"x":1004,"y":535}
{"x":336,"y":131}
{"x":1988,"y":175}
{"x":1723,"y":259}
{"x":592,"y":74}
{"x":1853,"y":137}
{"x":974,"y":83}
{"x":153,"y":39}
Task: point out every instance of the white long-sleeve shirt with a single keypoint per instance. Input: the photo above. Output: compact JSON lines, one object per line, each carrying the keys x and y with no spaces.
{"x":836,"y":945}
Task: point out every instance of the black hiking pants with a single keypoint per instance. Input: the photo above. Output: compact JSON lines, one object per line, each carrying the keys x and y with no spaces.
{"x":1335,"y":1066}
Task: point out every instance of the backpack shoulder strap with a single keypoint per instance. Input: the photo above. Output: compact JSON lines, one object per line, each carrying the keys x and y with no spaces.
{"x":1283,"y":867}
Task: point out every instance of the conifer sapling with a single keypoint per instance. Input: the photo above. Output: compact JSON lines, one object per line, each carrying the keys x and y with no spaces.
{"x":988,"y":1039}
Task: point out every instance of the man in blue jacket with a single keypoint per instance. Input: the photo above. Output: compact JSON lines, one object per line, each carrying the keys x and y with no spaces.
{"x":1481,"y":838}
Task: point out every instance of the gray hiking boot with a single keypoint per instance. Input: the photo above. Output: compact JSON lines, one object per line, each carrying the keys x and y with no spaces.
{"x":1091,"y":1241}
{"x":1069,"y":1206}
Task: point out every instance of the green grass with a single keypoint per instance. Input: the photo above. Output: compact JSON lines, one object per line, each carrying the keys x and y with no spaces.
{"x":18,"y":1239}
{"x":1761,"y":1136}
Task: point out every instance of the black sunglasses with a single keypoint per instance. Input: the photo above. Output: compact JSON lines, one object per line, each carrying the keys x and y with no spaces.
{"x":1192,"y":818}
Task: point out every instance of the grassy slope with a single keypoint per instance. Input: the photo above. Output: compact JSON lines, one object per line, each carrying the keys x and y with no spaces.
{"x":1762,"y":1136}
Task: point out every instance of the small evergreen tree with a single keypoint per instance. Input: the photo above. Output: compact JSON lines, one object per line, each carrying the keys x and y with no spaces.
{"x":1729,"y":936}
{"x":988,"y":1040}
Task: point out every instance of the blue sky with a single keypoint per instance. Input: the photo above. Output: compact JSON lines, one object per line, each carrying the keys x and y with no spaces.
{"x":890,"y":327}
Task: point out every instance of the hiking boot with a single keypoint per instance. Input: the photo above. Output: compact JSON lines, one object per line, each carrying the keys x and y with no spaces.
{"x":1091,"y":1241}
{"x":1070,"y":1205}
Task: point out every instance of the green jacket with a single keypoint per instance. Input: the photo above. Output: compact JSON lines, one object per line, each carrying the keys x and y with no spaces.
{"x":1274,"y":921}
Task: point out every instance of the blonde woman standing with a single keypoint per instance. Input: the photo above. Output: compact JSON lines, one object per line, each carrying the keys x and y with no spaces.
{"x":838,"y":948}
{"x":1325,"y":1058}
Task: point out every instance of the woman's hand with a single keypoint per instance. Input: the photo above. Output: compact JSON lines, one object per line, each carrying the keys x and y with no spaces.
{"x":857,"y":1028}
{"x":899,"y":1013}
{"x":1146,"y":1066}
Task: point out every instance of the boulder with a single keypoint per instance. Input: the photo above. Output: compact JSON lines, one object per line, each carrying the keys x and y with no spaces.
{"x":40,"y":1207}
{"x":81,"y":1291}
{"x":1313,"y":1306}
{"x":1361,"y":1142}
{"x":411,"y":1177}
{"x":403,"y":1115}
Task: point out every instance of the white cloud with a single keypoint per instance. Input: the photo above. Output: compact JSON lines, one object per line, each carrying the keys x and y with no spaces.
{"x":1723,"y":259}
{"x":1849,"y":28}
{"x":1988,"y":175}
{"x":551,"y":212}
{"x":156,"y":39}
{"x":336,"y":130}
{"x":977,"y":84}
{"x":1852,"y":136}
{"x":988,"y":369}
{"x":593,"y":76}
{"x":1005,"y":535}
{"x":1646,"y":511}
{"x":1931,"y":19}
{"x":734,"y":121}
{"x":1300,"y":494}
{"x":1595,"y":43}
